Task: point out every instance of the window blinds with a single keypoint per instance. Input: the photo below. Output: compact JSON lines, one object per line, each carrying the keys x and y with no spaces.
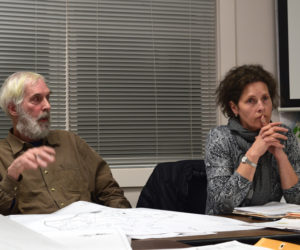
{"x":140,"y":75}
{"x":32,"y":38}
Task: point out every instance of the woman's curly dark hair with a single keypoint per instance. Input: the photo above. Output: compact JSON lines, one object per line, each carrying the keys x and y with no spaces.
{"x":233,"y":84}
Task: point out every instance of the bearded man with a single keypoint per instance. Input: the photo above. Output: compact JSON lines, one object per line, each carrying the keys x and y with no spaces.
{"x":43,"y":170}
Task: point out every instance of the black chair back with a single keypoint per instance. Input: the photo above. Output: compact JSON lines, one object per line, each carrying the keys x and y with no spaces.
{"x":176,"y":186}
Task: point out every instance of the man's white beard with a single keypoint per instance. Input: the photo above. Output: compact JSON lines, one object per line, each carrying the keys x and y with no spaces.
{"x":30,"y":128}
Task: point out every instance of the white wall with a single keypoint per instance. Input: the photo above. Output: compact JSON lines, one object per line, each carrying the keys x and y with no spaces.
{"x":246,"y":33}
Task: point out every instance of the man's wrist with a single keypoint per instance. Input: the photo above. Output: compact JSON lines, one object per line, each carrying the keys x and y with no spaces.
{"x":13,"y":173}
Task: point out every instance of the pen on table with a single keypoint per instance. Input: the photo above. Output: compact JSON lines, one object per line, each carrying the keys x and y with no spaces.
{"x":264,"y":218}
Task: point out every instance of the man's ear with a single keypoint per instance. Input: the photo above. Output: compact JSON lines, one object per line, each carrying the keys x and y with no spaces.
{"x":234,"y":108}
{"x":12,"y":110}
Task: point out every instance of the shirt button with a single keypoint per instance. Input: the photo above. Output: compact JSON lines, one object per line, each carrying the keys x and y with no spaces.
{"x":46,"y":171}
{"x":52,"y":189}
{"x":62,"y":204}
{"x":15,"y":188}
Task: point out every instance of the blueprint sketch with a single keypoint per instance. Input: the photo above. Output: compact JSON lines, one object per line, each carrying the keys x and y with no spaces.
{"x":84,"y":218}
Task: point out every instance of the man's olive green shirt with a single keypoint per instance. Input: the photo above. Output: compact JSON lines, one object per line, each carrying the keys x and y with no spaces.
{"x":78,"y":173}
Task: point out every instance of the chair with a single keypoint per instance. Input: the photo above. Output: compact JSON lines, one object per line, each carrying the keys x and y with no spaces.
{"x":177,"y":186}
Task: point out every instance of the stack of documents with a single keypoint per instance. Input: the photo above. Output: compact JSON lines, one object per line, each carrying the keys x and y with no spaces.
{"x":284,"y":224}
{"x":287,"y":214}
{"x":270,"y":210}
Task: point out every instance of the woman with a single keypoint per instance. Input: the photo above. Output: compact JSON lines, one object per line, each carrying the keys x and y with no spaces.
{"x":251,"y":160}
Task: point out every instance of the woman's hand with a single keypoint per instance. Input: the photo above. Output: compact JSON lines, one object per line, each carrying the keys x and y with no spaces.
{"x":268,"y":139}
{"x":271,"y":132}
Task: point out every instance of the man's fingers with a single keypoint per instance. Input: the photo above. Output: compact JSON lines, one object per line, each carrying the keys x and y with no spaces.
{"x":31,"y":159}
{"x":47,"y":150}
{"x":43,"y":155}
{"x":41,"y":163}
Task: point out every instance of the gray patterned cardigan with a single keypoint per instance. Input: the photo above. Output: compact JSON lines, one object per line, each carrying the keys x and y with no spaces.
{"x":228,"y":189}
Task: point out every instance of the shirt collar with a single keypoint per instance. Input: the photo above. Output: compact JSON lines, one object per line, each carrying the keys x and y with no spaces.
{"x":17,"y":145}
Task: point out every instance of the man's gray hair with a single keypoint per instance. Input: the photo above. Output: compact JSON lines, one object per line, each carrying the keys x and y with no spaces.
{"x":12,"y":90}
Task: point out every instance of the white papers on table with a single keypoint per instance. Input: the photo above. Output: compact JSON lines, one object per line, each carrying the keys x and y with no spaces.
{"x":284,"y":223}
{"x":230,"y":245}
{"x":14,"y":236}
{"x":271,"y":209}
{"x":84,"y":218}
{"x":110,"y":240}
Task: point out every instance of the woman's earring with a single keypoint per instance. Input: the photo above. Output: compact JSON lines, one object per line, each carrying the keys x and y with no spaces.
{"x":236,"y":115}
